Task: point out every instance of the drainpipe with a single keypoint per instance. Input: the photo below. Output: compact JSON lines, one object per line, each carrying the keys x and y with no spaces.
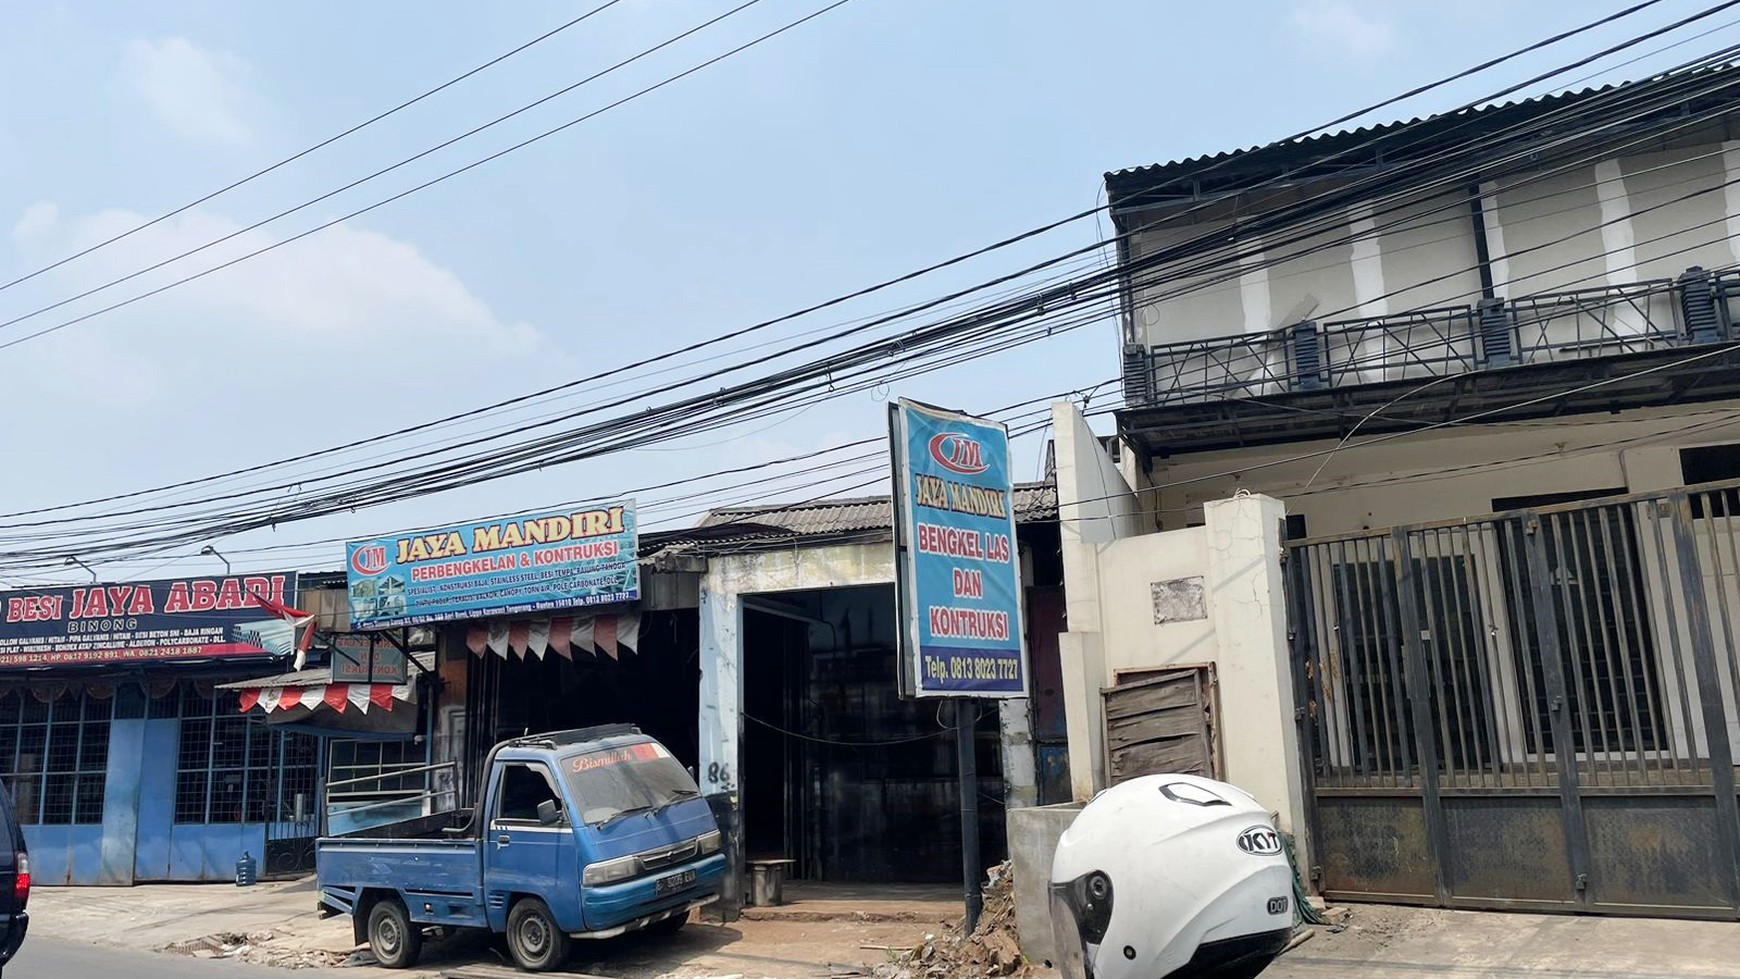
{"x":1482,"y":249}
{"x":1498,"y":347}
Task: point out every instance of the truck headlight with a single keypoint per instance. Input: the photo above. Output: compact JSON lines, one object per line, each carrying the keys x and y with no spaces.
{"x":707,"y":842}
{"x":610,"y":871}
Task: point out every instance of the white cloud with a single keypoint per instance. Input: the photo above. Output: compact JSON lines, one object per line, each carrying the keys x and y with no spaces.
{"x":343,"y":335}
{"x":200,"y":94}
{"x":36,"y":219}
{"x":343,"y":289}
{"x":1338,"y":23}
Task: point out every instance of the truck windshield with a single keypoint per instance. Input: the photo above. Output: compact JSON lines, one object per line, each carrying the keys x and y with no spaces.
{"x":616,"y":782}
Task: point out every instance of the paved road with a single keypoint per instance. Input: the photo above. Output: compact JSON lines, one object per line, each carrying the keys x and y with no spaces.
{"x":47,"y":958}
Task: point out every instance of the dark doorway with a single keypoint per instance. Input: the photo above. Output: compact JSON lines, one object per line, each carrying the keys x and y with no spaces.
{"x":840,"y":774}
{"x":777,"y":649}
{"x":656,"y":688}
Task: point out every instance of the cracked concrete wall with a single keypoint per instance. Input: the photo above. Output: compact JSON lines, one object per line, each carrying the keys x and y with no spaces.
{"x":1113,"y":573}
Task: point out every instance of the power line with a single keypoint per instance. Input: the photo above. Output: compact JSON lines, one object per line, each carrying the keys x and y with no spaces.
{"x":1538,"y":45}
{"x":94,"y":290}
{"x":426,"y":184}
{"x":250,"y":178}
{"x":1038,"y":306}
{"x":994,"y":246}
{"x":718,"y":505}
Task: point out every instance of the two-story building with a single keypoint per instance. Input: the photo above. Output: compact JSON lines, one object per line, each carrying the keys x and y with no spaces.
{"x":1487,"y":362}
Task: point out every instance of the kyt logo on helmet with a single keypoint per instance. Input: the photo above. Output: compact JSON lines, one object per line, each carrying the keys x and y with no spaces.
{"x":1260,"y":841}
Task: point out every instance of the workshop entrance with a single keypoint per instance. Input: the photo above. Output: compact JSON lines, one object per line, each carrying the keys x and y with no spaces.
{"x":839,"y":775}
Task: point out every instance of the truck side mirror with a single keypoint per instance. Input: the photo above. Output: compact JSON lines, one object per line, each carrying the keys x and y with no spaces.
{"x":693,"y":775}
{"x":549,"y":812}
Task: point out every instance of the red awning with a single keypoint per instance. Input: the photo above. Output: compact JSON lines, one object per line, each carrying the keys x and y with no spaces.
{"x":314,"y":690}
{"x":338,"y":697}
{"x":586,"y":635}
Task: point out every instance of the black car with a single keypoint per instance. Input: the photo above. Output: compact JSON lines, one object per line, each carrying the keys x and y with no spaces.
{"x":14,"y":881}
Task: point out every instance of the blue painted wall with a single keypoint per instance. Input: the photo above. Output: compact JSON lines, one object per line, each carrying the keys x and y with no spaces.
{"x":156,"y":812}
{"x":121,"y":801}
{"x":139,"y":839}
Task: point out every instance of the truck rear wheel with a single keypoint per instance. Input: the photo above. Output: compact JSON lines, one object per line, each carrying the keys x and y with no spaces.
{"x":537,"y":944}
{"x":393,"y":938}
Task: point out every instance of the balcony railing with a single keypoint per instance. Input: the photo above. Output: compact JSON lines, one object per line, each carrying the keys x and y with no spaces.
{"x":1696,"y":308}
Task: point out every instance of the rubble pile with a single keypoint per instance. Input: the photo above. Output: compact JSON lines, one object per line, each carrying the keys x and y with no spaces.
{"x":991,"y":950}
{"x":259,"y":948}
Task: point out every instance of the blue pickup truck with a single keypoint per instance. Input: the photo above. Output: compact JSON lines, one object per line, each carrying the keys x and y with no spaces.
{"x":579,"y":834}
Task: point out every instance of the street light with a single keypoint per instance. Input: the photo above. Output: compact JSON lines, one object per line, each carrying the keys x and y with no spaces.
{"x":210,"y":551}
{"x":73,"y":559}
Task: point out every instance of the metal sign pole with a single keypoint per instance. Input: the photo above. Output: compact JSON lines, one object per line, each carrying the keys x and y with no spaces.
{"x":966,"y":751}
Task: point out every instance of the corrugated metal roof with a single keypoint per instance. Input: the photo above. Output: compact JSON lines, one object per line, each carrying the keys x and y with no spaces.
{"x":1134,"y":180}
{"x":1033,"y":502}
{"x":314,"y":677}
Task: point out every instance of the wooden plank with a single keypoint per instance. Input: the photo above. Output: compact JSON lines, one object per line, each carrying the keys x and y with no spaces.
{"x":1160,"y":722}
{"x":1178,"y":756}
{"x":1120,"y":703}
{"x":1152,"y":727}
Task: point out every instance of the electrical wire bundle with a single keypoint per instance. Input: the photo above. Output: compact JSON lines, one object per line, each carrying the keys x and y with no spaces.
{"x":1029,"y":305}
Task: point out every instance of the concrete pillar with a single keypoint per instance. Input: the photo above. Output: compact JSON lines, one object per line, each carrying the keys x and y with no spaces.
{"x":721,"y":687}
{"x":1095,"y":507}
{"x":1020,"y":770}
{"x":1259,"y":736}
{"x":1084,"y":673}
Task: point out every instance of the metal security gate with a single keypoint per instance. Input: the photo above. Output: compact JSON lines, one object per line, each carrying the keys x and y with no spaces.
{"x":294,"y":819}
{"x":1534,"y":710}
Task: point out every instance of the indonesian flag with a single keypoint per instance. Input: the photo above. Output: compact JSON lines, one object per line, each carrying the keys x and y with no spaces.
{"x":302,"y":621}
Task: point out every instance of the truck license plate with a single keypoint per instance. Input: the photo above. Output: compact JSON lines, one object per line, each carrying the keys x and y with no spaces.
{"x":673,"y":883}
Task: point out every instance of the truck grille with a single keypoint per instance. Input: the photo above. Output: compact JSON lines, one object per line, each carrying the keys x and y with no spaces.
{"x":656,"y":859}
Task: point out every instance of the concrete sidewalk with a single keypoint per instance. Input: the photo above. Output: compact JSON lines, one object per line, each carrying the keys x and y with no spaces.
{"x":1411,"y":942}
{"x":834,"y":931}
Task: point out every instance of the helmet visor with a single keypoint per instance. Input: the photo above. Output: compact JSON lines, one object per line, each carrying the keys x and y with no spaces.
{"x":1073,"y":958}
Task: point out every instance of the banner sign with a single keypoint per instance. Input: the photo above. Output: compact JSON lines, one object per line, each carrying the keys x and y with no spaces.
{"x":538,"y":563}
{"x":176,"y":620}
{"x":365,"y":657}
{"x":957,"y":568}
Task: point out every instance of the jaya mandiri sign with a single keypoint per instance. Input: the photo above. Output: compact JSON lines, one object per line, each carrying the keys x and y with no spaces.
{"x":175,"y":620}
{"x":957,"y":568}
{"x":536,"y":563}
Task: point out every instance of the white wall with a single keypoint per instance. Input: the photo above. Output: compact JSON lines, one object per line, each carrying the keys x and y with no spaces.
{"x":1446,"y":474}
{"x":1608,"y":223}
{"x":1095,"y":506}
{"x":728,"y":579}
{"x":731,"y":577}
{"x":1109,"y":573}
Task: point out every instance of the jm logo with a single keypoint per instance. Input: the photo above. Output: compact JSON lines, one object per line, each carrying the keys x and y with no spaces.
{"x":959,"y":454}
{"x":369,"y":560}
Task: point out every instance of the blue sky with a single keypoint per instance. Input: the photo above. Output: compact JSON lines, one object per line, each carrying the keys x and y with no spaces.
{"x":884,"y":136}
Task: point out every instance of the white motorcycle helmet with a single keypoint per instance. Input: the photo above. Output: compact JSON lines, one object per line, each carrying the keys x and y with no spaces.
{"x":1170,"y":877}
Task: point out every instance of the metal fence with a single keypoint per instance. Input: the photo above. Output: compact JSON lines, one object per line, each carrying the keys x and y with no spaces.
{"x":1656,"y":314}
{"x":1529,"y":710}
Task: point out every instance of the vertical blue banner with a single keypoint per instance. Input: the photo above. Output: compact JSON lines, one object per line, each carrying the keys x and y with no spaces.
{"x":959,"y":569}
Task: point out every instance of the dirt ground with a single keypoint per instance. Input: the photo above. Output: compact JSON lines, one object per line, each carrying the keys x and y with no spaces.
{"x":276,"y":924}
{"x":873,"y":935}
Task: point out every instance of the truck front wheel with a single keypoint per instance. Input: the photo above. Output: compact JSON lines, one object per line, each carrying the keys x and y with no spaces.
{"x":537,"y":944}
{"x":393,"y":938}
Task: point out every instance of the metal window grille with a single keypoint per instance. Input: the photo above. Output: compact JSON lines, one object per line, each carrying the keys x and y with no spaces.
{"x":233,"y":768}
{"x":54,"y":757}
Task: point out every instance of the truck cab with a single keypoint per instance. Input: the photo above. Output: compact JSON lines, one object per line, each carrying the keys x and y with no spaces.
{"x":579,"y":834}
